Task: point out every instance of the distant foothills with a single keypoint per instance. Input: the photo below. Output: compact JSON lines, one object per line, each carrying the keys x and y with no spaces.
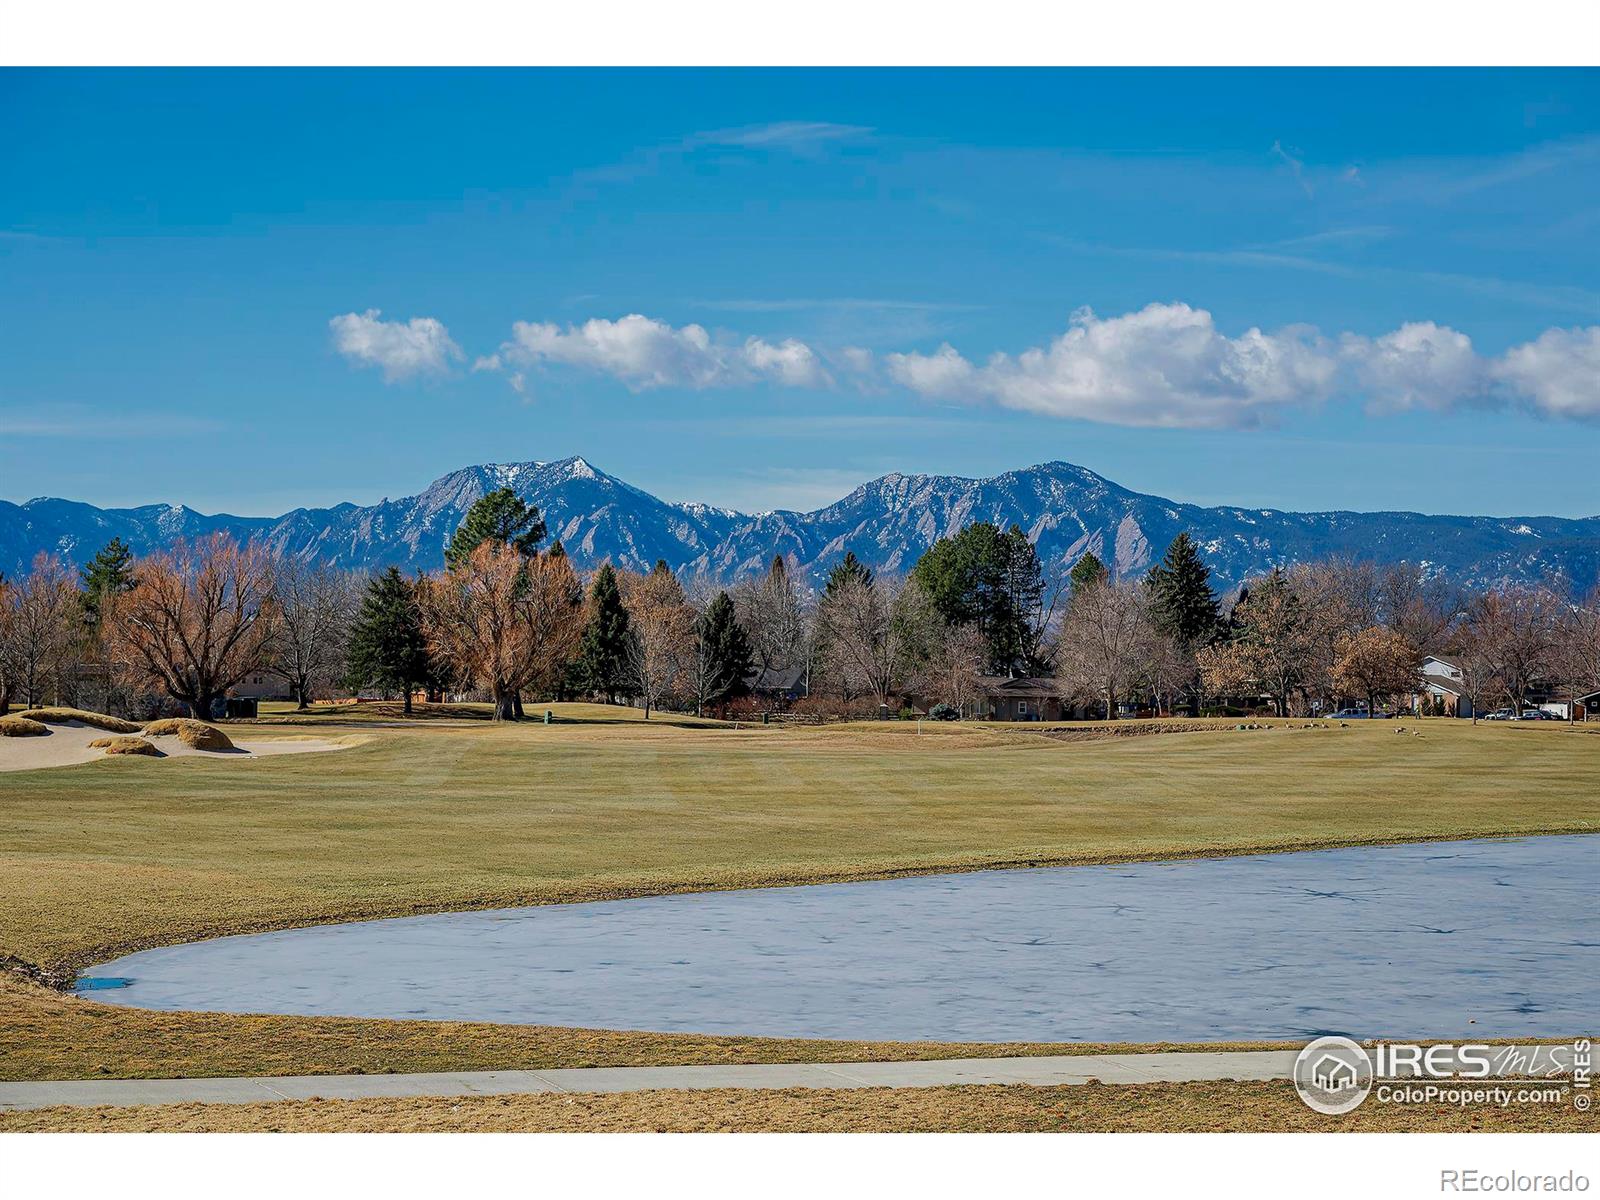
{"x":1067,"y":510}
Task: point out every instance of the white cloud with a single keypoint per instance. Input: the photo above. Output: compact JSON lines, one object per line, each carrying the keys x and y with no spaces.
{"x":1419,"y":365}
{"x":420,"y":346}
{"x":1557,"y":374}
{"x":1168,"y":365}
{"x":1165,"y":365}
{"x":645,"y":353}
{"x":944,"y":374}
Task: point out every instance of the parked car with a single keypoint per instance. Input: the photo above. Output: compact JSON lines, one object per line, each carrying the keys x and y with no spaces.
{"x":1537,"y":714}
{"x":1499,"y":714}
{"x":1350,"y":714}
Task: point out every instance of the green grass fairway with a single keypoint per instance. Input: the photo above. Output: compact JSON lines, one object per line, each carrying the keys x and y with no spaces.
{"x":456,"y":813}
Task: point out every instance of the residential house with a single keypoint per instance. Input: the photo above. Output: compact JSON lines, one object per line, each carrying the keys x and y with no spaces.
{"x":1027,"y":698}
{"x":1443,"y":692}
{"x":779,"y":687}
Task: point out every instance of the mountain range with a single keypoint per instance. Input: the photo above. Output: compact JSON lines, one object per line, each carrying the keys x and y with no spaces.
{"x":1067,"y":510}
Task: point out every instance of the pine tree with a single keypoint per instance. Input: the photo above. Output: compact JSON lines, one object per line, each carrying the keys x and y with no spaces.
{"x":500,"y":516}
{"x":1183,"y":604}
{"x":1086,"y":572}
{"x":387,"y":647}
{"x":848,"y":568}
{"x":724,"y":653}
{"x":992,"y":580}
{"x":109,"y":573}
{"x":603,"y":653}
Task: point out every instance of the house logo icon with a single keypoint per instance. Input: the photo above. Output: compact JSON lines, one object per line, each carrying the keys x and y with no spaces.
{"x":1333,"y":1075}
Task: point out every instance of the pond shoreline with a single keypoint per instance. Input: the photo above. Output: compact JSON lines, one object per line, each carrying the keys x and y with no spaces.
{"x":62,"y":974}
{"x":1052,"y":912}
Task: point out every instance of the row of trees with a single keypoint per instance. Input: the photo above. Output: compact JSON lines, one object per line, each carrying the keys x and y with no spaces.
{"x":503,"y":618}
{"x":508,"y":619}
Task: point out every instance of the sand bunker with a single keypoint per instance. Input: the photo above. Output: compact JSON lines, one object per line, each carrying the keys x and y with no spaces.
{"x":196,"y":735}
{"x":69,"y":743}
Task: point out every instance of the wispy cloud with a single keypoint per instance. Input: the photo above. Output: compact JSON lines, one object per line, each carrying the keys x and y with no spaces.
{"x":1432,"y":185}
{"x":1556,"y":297}
{"x":805,"y":139}
{"x":778,"y":135}
{"x":843,"y":303}
{"x":1349,"y":235}
{"x":84,"y":423}
{"x":1297,"y":168}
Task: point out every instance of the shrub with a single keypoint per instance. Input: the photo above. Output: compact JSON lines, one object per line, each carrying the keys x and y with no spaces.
{"x":60,"y":716}
{"x":21,"y":727}
{"x":944,"y":712}
{"x":831,"y":708}
{"x":744,"y":708}
{"x":123,"y":744}
{"x":197,"y":735}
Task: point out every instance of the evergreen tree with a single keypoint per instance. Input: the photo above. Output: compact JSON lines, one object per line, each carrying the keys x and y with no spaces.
{"x":500,"y":516}
{"x":848,"y":568}
{"x":603,"y":653}
{"x":993,"y":581}
{"x":109,"y":573}
{"x":1086,"y":572}
{"x":1182,"y":602}
{"x":387,"y":647}
{"x":725,"y":657}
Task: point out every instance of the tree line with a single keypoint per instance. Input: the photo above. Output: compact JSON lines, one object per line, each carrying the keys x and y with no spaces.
{"x":508,"y":619}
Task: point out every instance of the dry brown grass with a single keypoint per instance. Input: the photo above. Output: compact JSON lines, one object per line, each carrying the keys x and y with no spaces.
{"x":22,"y":727}
{"x":60,"y":716}
{"x":47,"y":1035}
{"x":197,"y":735}
{"x":1213,"y":1107}
{"x":1101,"y":730}
{"x":122,"y":744}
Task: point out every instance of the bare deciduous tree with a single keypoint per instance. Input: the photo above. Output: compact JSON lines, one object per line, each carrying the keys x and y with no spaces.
{"x":661,"y":640}
{"x":316,"y":607}
{"x":866,"y":648}
{"x":1512,"y":636}
{"x":198,"y":619}
{"x":771,"y":612}
{"x":40,"y":626}
{"x":1283,"y":650}
{"x":952,"y":669}
{"x":1422,"y":608}
{"x":1105,"y":642}
{"x":1169,"y":671}
{"x":1224,"y":670}
{"x":504,"y":620}
{"x":1575,"y":661}
{"x":1375,"y":663}
{"x":8,"y":614}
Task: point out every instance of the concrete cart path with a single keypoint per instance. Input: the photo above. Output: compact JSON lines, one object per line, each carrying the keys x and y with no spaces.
{"x":1065,"y":1069}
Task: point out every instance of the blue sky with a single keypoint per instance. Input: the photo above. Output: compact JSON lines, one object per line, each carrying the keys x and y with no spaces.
{"x":250,"y":291}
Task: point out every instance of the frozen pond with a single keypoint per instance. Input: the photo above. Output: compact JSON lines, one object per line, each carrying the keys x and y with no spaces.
{"x":1480,"y":939}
